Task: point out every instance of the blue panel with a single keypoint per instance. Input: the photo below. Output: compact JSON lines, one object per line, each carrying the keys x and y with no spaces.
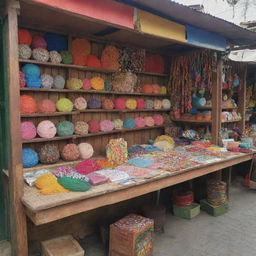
{"x":203,"y":38}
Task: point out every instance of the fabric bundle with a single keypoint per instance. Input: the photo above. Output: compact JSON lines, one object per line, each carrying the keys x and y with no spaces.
{"x":124,"y":82}
{"x":46,"y":106}
{"x":80,"y":49}
{"x":49,"y":154}
{"x":93,"y":61}
{"x":81,"y":128}
{"x":28,"y":105}
{"x":25,"y":51}
{"x":70,"y":152}
{"x":109,"y":58}
{"x":46,"y":129}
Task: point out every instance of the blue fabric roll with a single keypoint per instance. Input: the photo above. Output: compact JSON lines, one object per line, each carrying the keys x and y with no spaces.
{"x":129,"y":123}
{"x":29,"y":157}
{"x":56,"y":42}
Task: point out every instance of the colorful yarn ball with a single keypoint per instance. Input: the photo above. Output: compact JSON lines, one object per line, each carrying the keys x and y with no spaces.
{"x":81,"y":128}
{"x":93,"y":61}
{"x":64,"y":105}
{"x":22,"y":79}
{"x":24,"y":51}
{"x":33,"y":82}
{"x":163,"y":90}
{"x":46,"y":106}
{"x":31,"y":70}
{"x":86,"y":84}
{"x":55,"y":57}
{"x":24,"y":37}
{"x":107,"y":104}
{"x":140,"y":103}
{"x":157,"y":104}
{"x":87,"y":166}
{"x":47,"y":81}
{"x":70,"y":152}
{"x":107,"y":86}
{"x":74,"y":84}
{"x":109,"y":58}
{"x":66,"y":57}
{"x":79,"y":60}
{"x":80,"y":103}
{"x":149,"y":121}
{"x":97,"y":83}
{"x":39,"y":42}
{"x":158,"y":119}
{"x":139,"y":122}
{"x":129,"y":123}
{"x":106,"y":126}
{"x":28,"y":130}
{"x":131,"y":104}
{"x":118,"y":123}
{"x":81,"y":47}
{"x":29,"y":157}
{"x":27,"y":105}
{"x":49,"y":154}
{"x":147,"y":88}
{"x":166,"y":104}
{"x":119,"y":103}
{"x":94,"y":126}
{"x":74,"y":184}
{"x":156,"y":89}
{"x":94,"y":103}
{"x":56,"y":42}
{"x":58,"y":82}
{"x":124,"y":82}
{"x":40,"y":54}
{"x":149,"y":104}
{"x":65,"y":128}
{"x":86,"y":150}
{"x":46,"y":129}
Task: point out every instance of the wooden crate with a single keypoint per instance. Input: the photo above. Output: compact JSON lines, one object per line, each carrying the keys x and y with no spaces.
{"x":213,"y":210}
{"x":131,"y":236}
{"x":186,"y":212}
{"x":62,"y":246}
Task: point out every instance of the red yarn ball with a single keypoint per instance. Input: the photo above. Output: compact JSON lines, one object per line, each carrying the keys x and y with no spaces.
{"x":119,"y":103}
{"x":140,"y":103}
{"x":147,"y":88}
{"x":93,"y":61}
{"x":158,"y":119}
{"x":24,"y":37}
{"x":46,"y":106}
{"x":27,"y":105}
{"x":94,"y":126}
{"x":87,"y":166}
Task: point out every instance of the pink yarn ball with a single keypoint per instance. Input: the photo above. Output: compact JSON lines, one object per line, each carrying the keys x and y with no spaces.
{"x":22,"y":80}
{"x":94,"y":126}
{"x":140,"y":103}
{"x":39,"y":42}
{"x":46,"y":129}
{"x":46,"y":106}
{"x":159,"y":120}
{"x":80,"y":103}
{"x":139,"y":121}
{"x":149,"y":121}
{"x":106,"y":126}
{"x":28,"y":131}
{"x":86,"y":84}
{"x":119,"y":103}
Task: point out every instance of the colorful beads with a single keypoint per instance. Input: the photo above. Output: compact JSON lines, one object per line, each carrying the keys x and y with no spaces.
{"x":94,"y":103}
{"x":119,"y":103}
{"x":158,"y":119}
{"x":86,"y":84}
{"x":139,"y":122}
{"x":81,"y":128}
{"x":140,"y":103}
{"x":94,"y":126}
{"x":107,"y":104}
{"x":55,"y":57}
{"x":24,"y":37}
{"x":39,"y":42}
{"x":58,"y":82}
{"x":47,"y":81}
{"x":149,"y":121}
{"x":118,"y":123}
{"x":166,"y":104}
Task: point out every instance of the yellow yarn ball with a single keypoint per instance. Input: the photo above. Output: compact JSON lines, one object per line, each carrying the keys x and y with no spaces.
{"x":64,"y":105}
{"x":157,"y":104}
{"x":74,"y":84}
{"x":163,"y":90}
{"x":97,"y":83}
{"x":131,"y":104}
{"x":45,"y":180}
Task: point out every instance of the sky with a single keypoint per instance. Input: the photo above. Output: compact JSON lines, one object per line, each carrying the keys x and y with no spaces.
{"x":221,"y":9}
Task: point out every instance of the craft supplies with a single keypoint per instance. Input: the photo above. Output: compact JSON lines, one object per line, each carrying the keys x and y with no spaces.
{"x":47,"y":81}
{"x":149,"y":121}
{"x":94,"y":126}
{"x":58,"y":82}
{"x":116,"y":151}
{"x":55,"y":57}
{"x":107,"y":104}
{"x":74,"y":84}
{"x":64,"y":105}
{"x":49,"y":154}
{"x":70,"y":152}
{"x":66,"y":57}
{"x":87,"y":166}
{"x":27,"y":105}
{"x":28,"y":130}
{"x":154,"y":63}
{"x":29,"y":157}
{"x":31,"y":70}
{"x":158,"y":119}
{"x":216,"y":192}
{"x":119,"y":103}
{"x":183,"y":198}
{"x":22,"y":80}
{"x":129,"y":123}
{"x":114,"y":175}
{"x":109,"y":58}
{"x":86,"y":84}
{"x":139,"y":122}
{"x":118,"y":123}
{"x":30,"y":177}
{"x":39,"y":42}
{"x":65,"y":128}
{"x":25,"y":51}
{"x":93,"y":61}
{"x":80,"y":103}
{"x":94,"y":103}
{"x":147,"y":88}
{"x":163,"y":90}
{"x":166,"y":104}
{"x":149,"y":104}
{"x":97,"y":83}
{"x":46,"y":106}
{"x":80,"y":49}
{"x":104,"y":163}
{"x":140,"y":103}
{"x":106,"y":126}
{"x":124,"y":82}
{"x":46,"y":129}
{"x":97,"y":179}
{"x":24,"y":37}
{"x":157,"y":104}
{"x":131,"y":103}
{"x":81,"y":128}
{"x":140,"y":162}
{"x":73,"y":184}
{"x":40,"y":54}
{"x":86,"y":150}
{"x":56,"y":42}
{"x":107,"y":85}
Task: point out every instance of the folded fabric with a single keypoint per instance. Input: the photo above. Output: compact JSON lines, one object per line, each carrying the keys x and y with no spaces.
{"x":140,"y":162}
{"x":152,"y":148}
{"x":113,"y":174}
{"x":97,"y":179}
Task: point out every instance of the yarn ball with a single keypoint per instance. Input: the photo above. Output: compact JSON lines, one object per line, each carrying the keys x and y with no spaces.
{"x":49,"y":154}
{"x":29,"y":157}
{"x":109,"y":58}
{"x":94,"y":103}
{"x":129,"y":123}
{"x":166,"y":104}
{"x":33,"y":82}
{"x":74,"y":184}
{"x":66,"y":57}
{"x":24,"y":51}
{"x":56,"y":42}
{"x":87,"y":166}
{"x":27,"y":105}
{"x":131,"y":103}
{"x":46,"y":129}
{"x":47,"y":81}
{"x":65,"y":128}
{"x":78,"y":59}
{"x":157,"y":104}
{"x":70,"y":152}
{"x":158,"y":119}
{"x":97,"y":83}
{"x":86,"y":84}
{"x":94,"y":126}
{"x":28,"y":130}
{"x":24,"y":37}
{"x":147,"y":88}
{"x":64,"y":105}
{"x":149,"y":104}
{"x":74,"y":84}
{"x":39,"y":42}
{"x":107,"y":104}
{"x":80,"y":103}
{"x":107,"y":86}
{"x":86,"y":150}
{"x":140,"y":103}
{"x":81,"y":128}
{"x":46,"y":106}
{"x":139,"y":122}
{"x":58,"y":82}
{"x":119,"y":103}
{"x":156,"y":89}
{"x":31,"y":70}
{"x":163,"y":90}
{"x":55,"y":57}
{"x":40,"y":54}
{"x":124,"y":82}
{"x":149,"y":121}
{"x":93,"y":61}
{"x":22,"y":79}
{"x":81,"y":47}
{"x":118,"y":123}
{"x":106,"y":126}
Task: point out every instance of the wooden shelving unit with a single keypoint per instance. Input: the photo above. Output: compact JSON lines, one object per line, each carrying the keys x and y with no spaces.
{"x":210,"y":107}
{"x":192,"y":121}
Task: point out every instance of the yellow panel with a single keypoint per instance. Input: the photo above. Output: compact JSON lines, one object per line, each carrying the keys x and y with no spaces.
{"x":154,"y":25}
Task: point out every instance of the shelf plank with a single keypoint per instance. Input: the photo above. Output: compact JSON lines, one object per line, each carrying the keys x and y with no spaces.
{"x":231,"y":121}
{"x":192,"y":121}
{"x":209,"y":108}
{"x":52,"y":114}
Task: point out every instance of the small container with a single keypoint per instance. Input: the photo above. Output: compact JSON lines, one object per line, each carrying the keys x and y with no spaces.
{"x":213,"y":210}
{"x":186,"y":212}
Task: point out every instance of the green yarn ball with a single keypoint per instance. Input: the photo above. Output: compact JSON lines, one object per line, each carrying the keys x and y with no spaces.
{"x":65,"y":128}
{"x":107,"y":86}
{"x":74,"y":184}
{"x":64,"y":105}
{"x":66,"y":57}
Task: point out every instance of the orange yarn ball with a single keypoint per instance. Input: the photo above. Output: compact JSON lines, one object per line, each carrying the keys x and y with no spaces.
{"x":93,"y":61}
{"x":147,"y":88}
{"x":24,"y":37}
{"x":27,"y":105}
{"x":79,"y":60}
{"x":156,"y":89}
{"x":97,"y":83}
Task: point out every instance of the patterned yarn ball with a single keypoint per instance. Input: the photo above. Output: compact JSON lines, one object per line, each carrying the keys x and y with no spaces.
{"x":166,"y":104}
{"x":31,"y":70}
{"x":55,"y":57}
{"x":140,"y":103}
{"x":29,"y":157}
{"x":46,"y":106}
{"x":80,"y":103}
{"x":157,"y":104}
{"x":93,"y":61}
{"x":163,"y":90}
{"x":27,"y":105}
{"x":94,"y":103}
{"x":33,"y":82}
{"x":131,"y":103}
{"x":156,"y":89}
{"x":109,"y":58}
{"x":149,"y":104}
{"x":56,"y":42}
{"x":81,"y":128}
{"x":65,"y":128}
{"x":24,"y":51}
{"x":28,"y":131}
{"x":86,"y":84}
{"x":86,"y":150}
{"x":107,"y":104}
{"x":139,"y":122}
{"x":74,"y":184}
{"x":119,"y":103}
{"x":64,"y":105}
{"x":58,"y":82}
{"x":66,"y":57}
{"x":118,"y":123}
{"x":24,"y":37}
{"x":124,"y":82}
{"x":40,"y":54}
{"x":70,"y":152}
{"x":87,"y":166}
{"x":106,"y":126}
{"x":147,"y":88}
{"x":149,"y":121}
{"x":49,"y":154}
{"x":94,"y":126}
{"x":129,"y":123}
{"x":107,"y":86}
{"x":46,"y":129}
{"x":97,"y":83}
{"x":158,"y":119}
{"x":22,"y":79}
{"x":74,"y":84}
{"x":47,"y":81}
{"x":39,"y":42}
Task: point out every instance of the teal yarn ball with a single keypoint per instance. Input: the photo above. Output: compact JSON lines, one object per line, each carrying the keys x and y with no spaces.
{"x":73,"y":184}
{"x":65,"y":128}
{"x":129,"y":123}
{"x":29,"y":157}
{"x":107,"y":86}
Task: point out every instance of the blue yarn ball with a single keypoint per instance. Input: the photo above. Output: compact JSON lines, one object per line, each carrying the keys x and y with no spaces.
{"x":129,"y":123}
{"x":94,"y":103}
{"x":31,"y":70}
{"x":33,"y":82}
{"x":29,"y":157}
{"x":56,"y":42}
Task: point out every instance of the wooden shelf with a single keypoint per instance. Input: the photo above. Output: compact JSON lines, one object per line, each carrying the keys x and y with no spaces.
{"x":231,"y":121}
{"x":192,"y":121}
{"x":210,"y":107}
{"x":52,"y":114}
